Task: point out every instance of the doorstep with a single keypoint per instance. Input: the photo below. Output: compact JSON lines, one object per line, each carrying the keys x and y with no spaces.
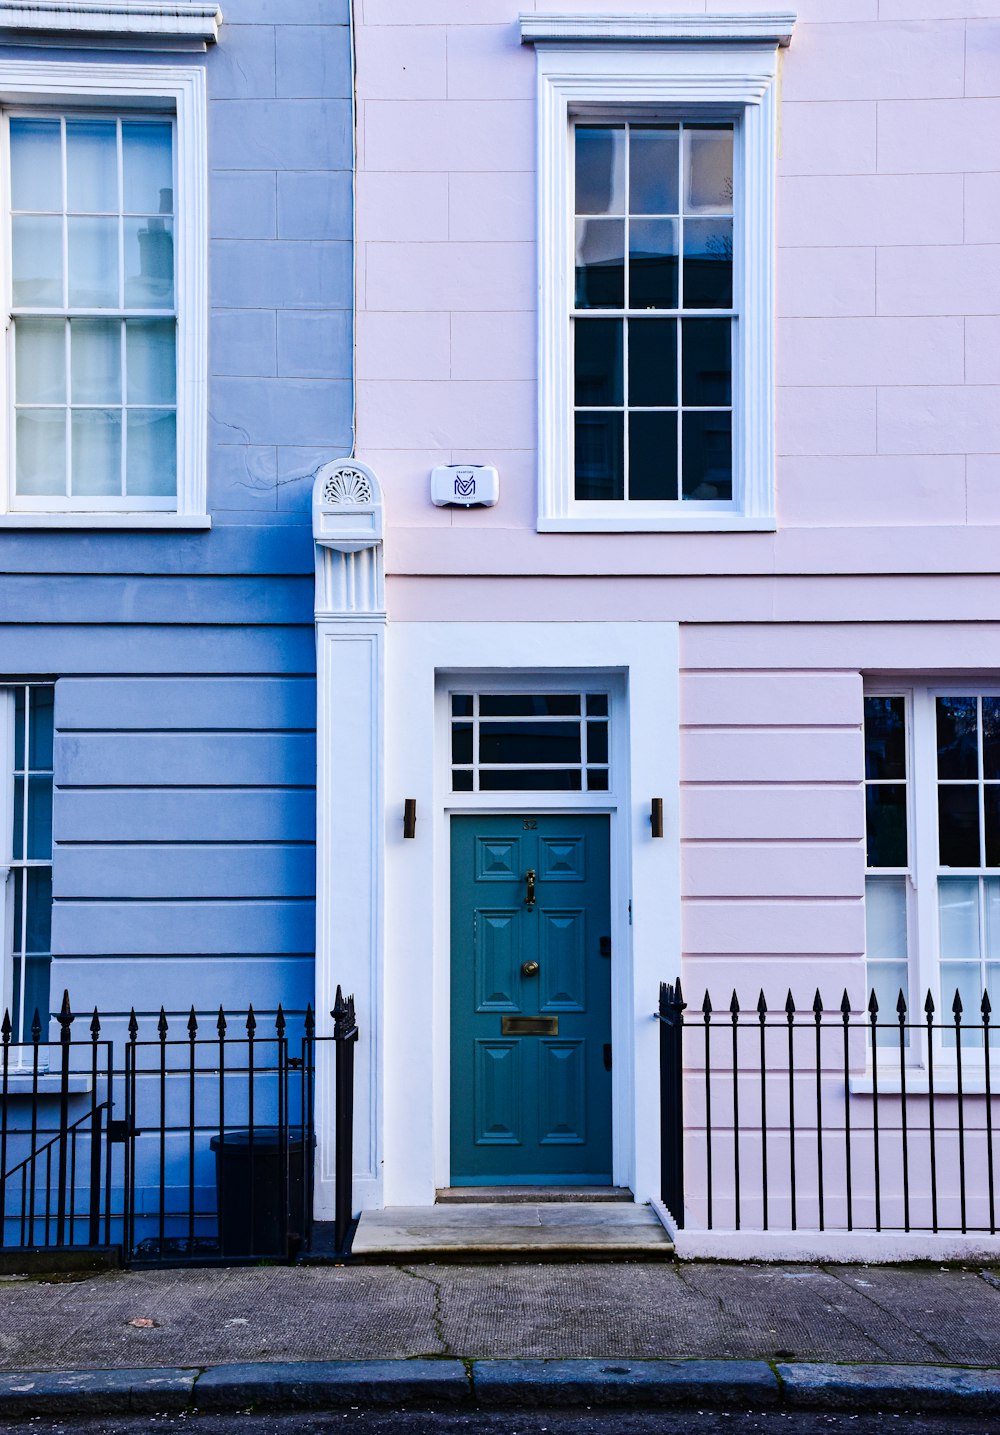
{"x":512,"y":1231}
{"x":529,"y":1195}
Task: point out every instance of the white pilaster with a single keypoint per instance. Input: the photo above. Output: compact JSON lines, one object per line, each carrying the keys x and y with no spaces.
{"x":350,"y":659}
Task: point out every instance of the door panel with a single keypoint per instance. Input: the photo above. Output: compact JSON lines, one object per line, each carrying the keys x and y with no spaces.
{"x":532,"y":1108}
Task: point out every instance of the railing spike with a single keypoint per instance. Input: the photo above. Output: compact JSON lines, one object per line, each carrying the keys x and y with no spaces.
{"x":95,"y":1024}
{"x":789,"y":1004}
{"x":251,"y":1020}
{"x":929,"y":1007}
{"x":873,"y":1004}
{"x":761,"y":1005}
{"x":817,"y":1004}
{"x":901,"y":1004}
{"x":338,"y":1005}
{"x":162,"y":1026}
{"x":5,"y":1027}
{"x":986,"y":1006}
{"x":734,"y":1004}
{"x":706,"y":1005}
{"x":36,"y":1028}
{"x":65,"y":1017}
{"x":845,"y":1005}
{"x":678,"y":995}
{"x":279,"y":1021}
{"x":220,"y":1022}
{"x":133,"y":1026}
{"x":310,"y":1021}
{"x":956,"y":1005}
{"x":192,"y":1023}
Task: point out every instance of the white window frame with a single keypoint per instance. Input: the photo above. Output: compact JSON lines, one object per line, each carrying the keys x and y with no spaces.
{"x":723,"y":68}
{"x":181,"y":91}
{"x":194,"y":21}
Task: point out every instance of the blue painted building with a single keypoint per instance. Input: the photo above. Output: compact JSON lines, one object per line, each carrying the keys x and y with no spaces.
{"x":178,"y":365}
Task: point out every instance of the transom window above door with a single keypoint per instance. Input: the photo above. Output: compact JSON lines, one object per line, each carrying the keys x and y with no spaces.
{"x":530,"y":742}
{"x":653,"y":315}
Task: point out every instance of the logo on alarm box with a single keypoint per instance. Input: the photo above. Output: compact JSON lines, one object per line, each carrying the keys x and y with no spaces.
{"x":465,"y":485}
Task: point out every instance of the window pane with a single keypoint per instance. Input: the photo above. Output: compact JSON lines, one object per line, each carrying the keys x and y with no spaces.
{"x":653,"y":264}
{"x":991,"y":799}
{"x":708,"y":171}
{"x":652,"y":456}
{"x":93,"y":263}
{"x":18,"y":841}
{"x":958,"y":826}
{"x":41,"y":451}
{"x":600,"y":471}
{"x":885,"y":814}
{"x":96,"y":365}
{"x":537,"y":779}
{"x":597,"y":704}
{"x":147,"y":153}
{"x":40,"y":818}
{"x":529,"y":705}
{"x":149,"y":264}
{"x":36,"y":165}
{"x":708,"y":263}
{"x":597,"y":779}
{"x":598,"y":361}
{"x":597,"y":742}
{"x":600,"y":170}
{"x":39,"y":936}
{"x":887,"y":980}
{"x":36,"y":261}
{"x":708,"y":456}
{"x":957,"y":738}
{"x":885,"y":918}
{"x":600,"y":263}
{"x":885,"y":737}
{"x":92,"y":166}
{"x":151,"y":361}
{"x":40,"y":361}
{"x":991,"y":737}
{"x":461,"y":782}
{"x":966,"y":979}
{"x":461,"y":742}
{"x":521,"y":742}
{"x":461,"y":705}
{"x":152,"y":453}
{"x":652,"y":363}
{"x":958,"y":916}
{"x":991,"y":906}
{"x":707,"y":362}
{"x":40,"y":729}
{"x":653,"y":171}
{"x":97,"y":452}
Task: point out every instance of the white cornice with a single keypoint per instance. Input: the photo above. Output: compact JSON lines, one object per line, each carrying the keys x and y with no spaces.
{"x":765,"y":27}
{"x":134,"y":19}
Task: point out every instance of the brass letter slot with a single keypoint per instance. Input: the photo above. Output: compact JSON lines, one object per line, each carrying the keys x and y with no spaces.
{"x":529,"y":1026}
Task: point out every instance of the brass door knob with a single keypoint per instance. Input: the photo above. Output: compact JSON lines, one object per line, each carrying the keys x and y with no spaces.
{"x":529,"y":969}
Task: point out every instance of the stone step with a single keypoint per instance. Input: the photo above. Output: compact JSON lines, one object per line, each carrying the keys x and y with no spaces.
{"x":530,"y":1195}
{"x":500,"y":1231}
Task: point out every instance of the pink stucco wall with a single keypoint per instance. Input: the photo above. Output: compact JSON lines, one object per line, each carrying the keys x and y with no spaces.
{"x":888,"y":427}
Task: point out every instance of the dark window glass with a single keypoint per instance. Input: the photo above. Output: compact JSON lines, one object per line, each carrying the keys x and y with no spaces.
{"x":39,"y":927}
{"x":461,"y":781}
{"x":991,"y":737}
{"x":461,"y":705}
{"x":707,"y":362}
{"x":885,"y":737}
{"x":600,"y":468}
{"x":708,"y":263}
{"x":653,"y":264}
{"x":597,"y":704}
{"x":652,"y":455}
{"x":537,"y":779}
{"x":600,"y":263}
{"x":598,"y":367}
{"x":652,"y":363}
{"x":597,"y":742}
{"x":529,"y":705}
{"x":957,"y":738}
{"x":653,"y":171}
{"x":40,"y":723}
{"x":885,"y":812}
{"x":991,"y":795}
{"x":529,"y":742}
{"x":597,"y":779}
{"x":19,"y":729}
{"x":461,"y":742}
{"x":958,"y":825}
{"x":708,"y":456}
{"x":600,"y":169}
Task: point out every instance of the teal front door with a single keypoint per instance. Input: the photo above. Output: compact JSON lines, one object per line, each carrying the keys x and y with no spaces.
{"x":530,"y":1001}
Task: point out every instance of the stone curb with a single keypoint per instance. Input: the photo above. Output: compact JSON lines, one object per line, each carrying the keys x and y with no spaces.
{"x":509,"y":1384}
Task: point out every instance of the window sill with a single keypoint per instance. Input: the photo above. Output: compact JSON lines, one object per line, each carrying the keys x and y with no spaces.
{"x":191,"y":20}
{"x":917,"y":1083}
{"x":687,"y":523}
{"x":131,"y":522}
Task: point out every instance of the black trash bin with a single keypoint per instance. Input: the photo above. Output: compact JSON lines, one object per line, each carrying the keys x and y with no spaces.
{"x":250,"y":1177}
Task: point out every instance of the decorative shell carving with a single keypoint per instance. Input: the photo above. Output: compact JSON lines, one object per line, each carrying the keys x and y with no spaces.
{"x":347,"y":486}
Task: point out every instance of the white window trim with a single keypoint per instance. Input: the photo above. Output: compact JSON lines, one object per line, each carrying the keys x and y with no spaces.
{"x":184,"y":91}
{"x":193,"y":20}
{"x":732,"y":81}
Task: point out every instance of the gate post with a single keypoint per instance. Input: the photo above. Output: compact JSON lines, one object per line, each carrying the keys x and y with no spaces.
{"x":345,"y":1033}
{"x":671,"y":1014}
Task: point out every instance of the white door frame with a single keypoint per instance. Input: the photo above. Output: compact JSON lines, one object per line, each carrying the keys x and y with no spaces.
{"x":415,"y":1021}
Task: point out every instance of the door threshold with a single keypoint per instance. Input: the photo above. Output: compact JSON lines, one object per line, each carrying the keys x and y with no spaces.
{"x":528,"y":1195}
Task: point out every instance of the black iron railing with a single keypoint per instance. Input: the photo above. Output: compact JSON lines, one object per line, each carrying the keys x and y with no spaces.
{"x":827,"y":1119}
{"x":171,"y":1138}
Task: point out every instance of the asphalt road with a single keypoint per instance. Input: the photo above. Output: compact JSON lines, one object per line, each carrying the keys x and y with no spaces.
{"x":607,"y":1422}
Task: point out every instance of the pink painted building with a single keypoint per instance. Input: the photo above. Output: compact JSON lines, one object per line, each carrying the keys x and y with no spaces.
{"x":714,"y":290}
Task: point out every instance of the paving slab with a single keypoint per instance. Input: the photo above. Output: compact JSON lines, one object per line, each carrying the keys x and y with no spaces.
{"x":891,"y":1387}
{"x":570,"y":1230}
{"x":651,"y":1383}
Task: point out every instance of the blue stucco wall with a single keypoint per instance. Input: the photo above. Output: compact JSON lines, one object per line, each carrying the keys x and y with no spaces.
{"x":184,"y":815}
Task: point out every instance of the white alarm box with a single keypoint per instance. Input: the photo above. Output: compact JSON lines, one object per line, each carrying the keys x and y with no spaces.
{"x":464,"y":485}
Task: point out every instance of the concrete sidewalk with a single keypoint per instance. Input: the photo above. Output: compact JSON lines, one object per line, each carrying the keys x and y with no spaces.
{"x":891,"y":1332}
